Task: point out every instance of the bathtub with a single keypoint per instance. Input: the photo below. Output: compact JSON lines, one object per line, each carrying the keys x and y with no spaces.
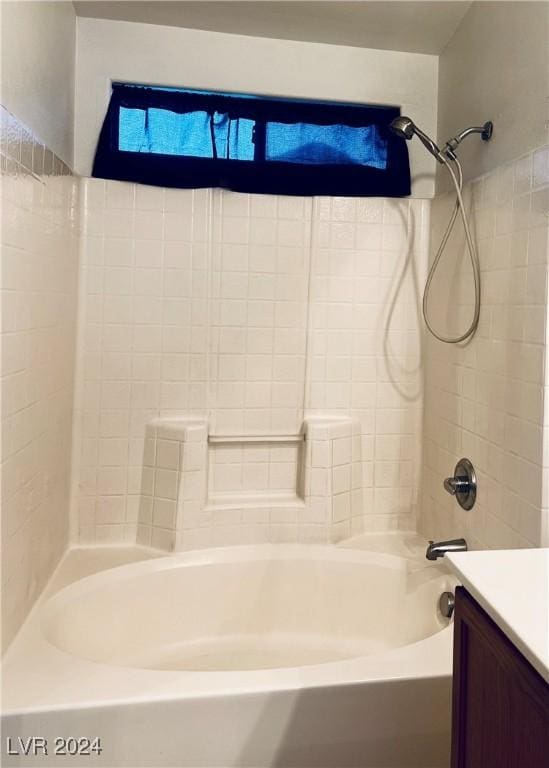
{"x":275,"y":655}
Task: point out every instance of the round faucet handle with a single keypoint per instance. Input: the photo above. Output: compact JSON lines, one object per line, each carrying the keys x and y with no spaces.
{"x":457,"y":485}
{"x":463,"y":485}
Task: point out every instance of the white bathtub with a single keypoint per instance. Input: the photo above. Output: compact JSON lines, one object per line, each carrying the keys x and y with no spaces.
{"x":281,"y":655}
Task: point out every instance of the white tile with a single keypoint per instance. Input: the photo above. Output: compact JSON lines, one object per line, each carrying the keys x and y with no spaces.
{"x":166,"y":483}
{"x":164,"y":513}
{"x":541,"y":167}
{"x":167,"y":454}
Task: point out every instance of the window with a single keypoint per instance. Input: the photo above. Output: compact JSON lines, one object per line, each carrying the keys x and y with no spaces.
{"x":183,"y":138}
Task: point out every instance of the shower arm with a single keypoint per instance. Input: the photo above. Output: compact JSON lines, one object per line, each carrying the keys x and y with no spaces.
{"x":485,"y":134}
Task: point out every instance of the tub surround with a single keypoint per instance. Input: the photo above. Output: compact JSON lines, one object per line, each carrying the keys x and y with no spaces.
{"x":487,"y":400}
{"x":512,"y":586}
{"x":252,"y":313}
{"x":39,"y":308}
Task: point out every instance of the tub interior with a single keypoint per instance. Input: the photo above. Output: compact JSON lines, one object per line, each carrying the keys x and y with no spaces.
{"x":256,"y":614}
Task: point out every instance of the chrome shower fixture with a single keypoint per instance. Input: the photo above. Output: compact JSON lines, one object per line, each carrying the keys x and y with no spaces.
{"x":485,"y":131}
{"x":406,"y":128}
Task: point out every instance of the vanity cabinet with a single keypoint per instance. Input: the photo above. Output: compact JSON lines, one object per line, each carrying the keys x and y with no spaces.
{"x":500,"y":716}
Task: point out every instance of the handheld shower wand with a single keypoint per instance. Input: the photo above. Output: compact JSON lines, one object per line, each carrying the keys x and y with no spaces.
{"x":405,"y":128}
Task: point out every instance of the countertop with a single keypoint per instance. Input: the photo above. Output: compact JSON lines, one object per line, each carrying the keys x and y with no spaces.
{"x":513,"y":588}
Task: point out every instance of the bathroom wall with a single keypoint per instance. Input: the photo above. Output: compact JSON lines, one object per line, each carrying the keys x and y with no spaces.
{"x":252,"y":312}
{"x":125,"y":51}
{"x":37,"y":65}
{"x":496,"y":67}
{"x":39,"y":271}
{"x":487,"y":399}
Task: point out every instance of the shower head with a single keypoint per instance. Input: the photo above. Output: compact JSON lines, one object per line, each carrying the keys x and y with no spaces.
{"x":405,"y":128}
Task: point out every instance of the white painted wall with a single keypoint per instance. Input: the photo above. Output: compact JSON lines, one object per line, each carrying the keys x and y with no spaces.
{"x":117,"y":50}
{"x":37,"y":83}
{"x":496,"y":67}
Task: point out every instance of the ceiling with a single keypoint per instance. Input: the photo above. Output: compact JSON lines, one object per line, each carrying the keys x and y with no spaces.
{"x":419,"y":27}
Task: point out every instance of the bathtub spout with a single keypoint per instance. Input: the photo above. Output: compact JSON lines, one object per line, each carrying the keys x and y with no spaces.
{"x":440,"y":548}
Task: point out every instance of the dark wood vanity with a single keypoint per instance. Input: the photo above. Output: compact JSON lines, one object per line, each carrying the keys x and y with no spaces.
{"x":500,"y":715}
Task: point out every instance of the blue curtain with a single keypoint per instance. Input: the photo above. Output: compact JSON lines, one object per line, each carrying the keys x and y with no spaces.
{"x":190,"y":139}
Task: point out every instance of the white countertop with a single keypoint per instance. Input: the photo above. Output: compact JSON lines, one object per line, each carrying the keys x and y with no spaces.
{"x":513,"y":588}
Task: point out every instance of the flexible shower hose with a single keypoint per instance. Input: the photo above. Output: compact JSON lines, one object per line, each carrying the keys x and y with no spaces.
{"x":459,"y":206}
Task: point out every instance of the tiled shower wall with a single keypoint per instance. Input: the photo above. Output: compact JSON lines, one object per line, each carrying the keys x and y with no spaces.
{"x":364,"y":355}
{"x":261,"y":265}
{"x":252,"y":311}
{"x":39,"y":274}
{"x":487,"y":400}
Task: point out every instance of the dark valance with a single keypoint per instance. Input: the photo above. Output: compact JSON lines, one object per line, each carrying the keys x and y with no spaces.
{"x":189,"y":139}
